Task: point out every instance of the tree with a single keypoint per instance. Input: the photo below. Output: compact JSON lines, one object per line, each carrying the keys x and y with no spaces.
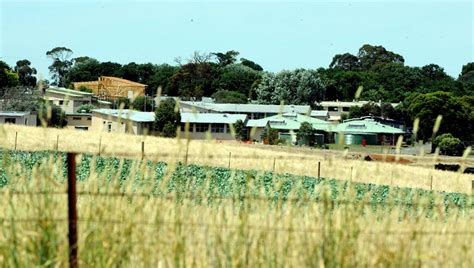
{"x":305,"y":134}
{"x":8,"y":78}
{"x":193,"y":81}
{"x":368,"y":109}
{"x":449,"y":145}
{"x":454,"y":110}
{"x":85,"y":108}
{"x":121,"y":102}
{"x":237,"y":78}
{"x":19,"y":99}
{"x":346,"y":62}
{"x":240,"y":131}
{"x":25,"y":73}
{"x":251,"y":64}
{"x":161,"y":78}
{"x":85,"y":89}
{"x":224,"y":59}
{"x":61,"y":64}
{"x":270,"y":136}
{"x":51,"y":115}
{"x":225,"y":96}
{"x":144,"y":103}
{"x":297,"y":87}
{"x":166,"y":117}
{"x":372,"y":56}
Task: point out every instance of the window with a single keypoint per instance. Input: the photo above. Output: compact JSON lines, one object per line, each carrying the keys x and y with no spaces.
{"x":81,"y":128}
{"x":217,"y":128}
{"x":201,"y":127}
{"x":109,"y":127}
{"x":76,"y":118}
{"x":10,"y":120}
{"x":61,"y":102}
{"x":332,"y":109}
{"x":88,"y":118}
{"x":345,"y":109}
{"x":258,"y":115}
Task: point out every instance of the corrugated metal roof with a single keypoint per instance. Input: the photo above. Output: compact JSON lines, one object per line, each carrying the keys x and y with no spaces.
{"x":216,"y":118}
{"x":13,"y":113}
{"x":319,"y":113}
{"x":132,"y":115}
{"x":290,"y":121}
{"x":69,"y":92}
{"x":249,"y":108}
{"x":367,"y":126}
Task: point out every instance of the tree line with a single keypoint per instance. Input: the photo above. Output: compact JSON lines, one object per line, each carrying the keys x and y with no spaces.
{"x":423,"y":92}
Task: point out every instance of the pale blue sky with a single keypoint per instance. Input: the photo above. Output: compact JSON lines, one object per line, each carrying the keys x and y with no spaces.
{"x":276,"y":34}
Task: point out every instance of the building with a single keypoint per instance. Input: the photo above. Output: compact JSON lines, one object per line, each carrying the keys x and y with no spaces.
{"x":373,"y":132}
{"x":320,"y":114}
{"x":217,"y":124}
{"x":18,"y":118}
{"x":253,"y":111}
{"x":288,"y":125}
{"x":79,"y":121}
{"x":122,"y":121}
{"x":337,"y":108}
{"x":69,"y":100}
{"x":385,"y":121}
{"x":107,"y":87}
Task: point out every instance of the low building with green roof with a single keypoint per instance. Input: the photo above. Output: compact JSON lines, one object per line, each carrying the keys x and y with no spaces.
{"x":356,"y":131}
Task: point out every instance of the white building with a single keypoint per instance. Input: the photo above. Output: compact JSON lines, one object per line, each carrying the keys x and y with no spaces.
{"x":18,"y":118}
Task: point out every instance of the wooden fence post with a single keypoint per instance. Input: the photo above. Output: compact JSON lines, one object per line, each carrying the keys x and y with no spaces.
{"x":57,"y":143}
{"x":319,"y":169}
{"x":143,"y":149}
{"x":72,"y":210}
{"x":274,"y":163}
{"x":230,"y":155}
{"x":431,"y":183}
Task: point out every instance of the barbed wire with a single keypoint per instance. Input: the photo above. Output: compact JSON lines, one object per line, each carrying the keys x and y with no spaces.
{"x":275,"y":199}
{"x":206,"y":225}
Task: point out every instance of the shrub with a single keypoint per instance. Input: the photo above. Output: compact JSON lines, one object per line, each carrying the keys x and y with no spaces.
{"x":449,"y":145}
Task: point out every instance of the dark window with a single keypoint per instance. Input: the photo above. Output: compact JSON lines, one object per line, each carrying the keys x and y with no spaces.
{"x":10,"y":120}
{"x":217,"y":128}
{"x":61,"y":102}
{"x":345,"y":109}
{"x":202,"y":127}
{"x":88,"y":118}
{"x":332,"y":109}
{"x":76,"y":118}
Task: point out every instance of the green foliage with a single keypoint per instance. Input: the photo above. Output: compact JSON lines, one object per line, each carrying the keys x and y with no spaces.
{"x":51,"y":114}
{"x":449,"y":145}
{"x":368,"y":109}
{"x":297,"y":87}
{"x":25,"y":73}
{"x":305,"y":134}
{"x":85,"y":89}
{"x":121,"y":101}
{"x":61,"y":64}
{"x":167,"y":118}
{"x":8,"y":78}
{"x":240,"y":131}
{"x":229,"y":57}
{"x":225,"y":96}
{"x":270,"y":136}
{"x":169,"y":130}
{"x":193,"y":81}
{"x":457,"y":116}
{"x":143,"y":103}
{"x":237,"y":78}
{"x":85,"y":108}
{"x":251,"y":64}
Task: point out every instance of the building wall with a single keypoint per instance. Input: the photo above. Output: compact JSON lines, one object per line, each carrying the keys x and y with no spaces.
{"x":195,"y":134}
{"x":104,"y":123}
{"x":79,"y":121}
{"x":67,"y":104}
{"x":26,"y":120}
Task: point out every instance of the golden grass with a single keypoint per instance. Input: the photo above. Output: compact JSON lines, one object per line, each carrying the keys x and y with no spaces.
{"x":333,"y":164}
{"x":143,"y":231}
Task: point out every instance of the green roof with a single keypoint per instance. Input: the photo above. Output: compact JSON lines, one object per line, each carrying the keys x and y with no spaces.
{"x":366,"y":126}
{"x":290,"y":121}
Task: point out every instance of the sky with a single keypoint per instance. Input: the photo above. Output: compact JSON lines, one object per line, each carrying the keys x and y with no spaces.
{"x":277,"y":35}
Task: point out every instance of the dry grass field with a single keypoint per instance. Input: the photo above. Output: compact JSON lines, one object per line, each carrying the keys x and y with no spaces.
{"x":284,"y":159}
{"x":122,"y":224}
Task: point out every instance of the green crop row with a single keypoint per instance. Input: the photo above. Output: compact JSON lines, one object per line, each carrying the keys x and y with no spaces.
{"x":217,"y":183}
